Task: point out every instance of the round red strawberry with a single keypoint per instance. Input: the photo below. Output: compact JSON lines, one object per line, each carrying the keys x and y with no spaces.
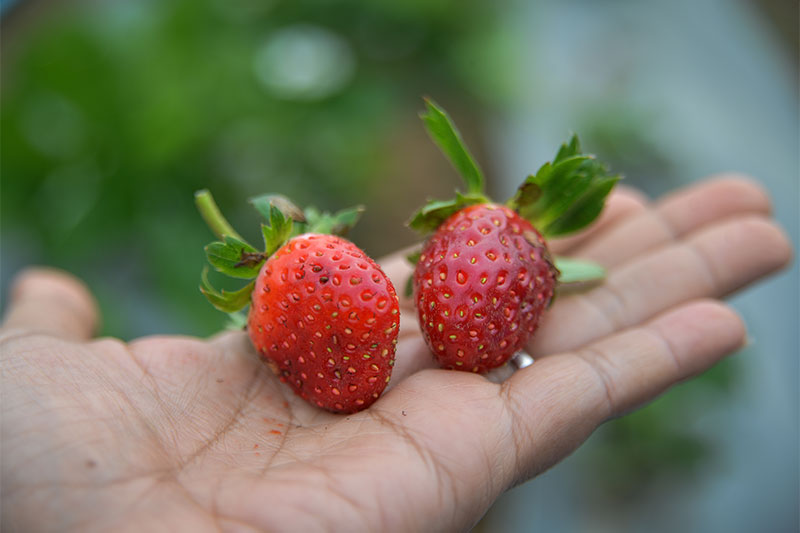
{"x":483,"y":279}
{"x":323,"y":315}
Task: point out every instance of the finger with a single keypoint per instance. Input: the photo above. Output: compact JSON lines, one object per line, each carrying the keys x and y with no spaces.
{"x":558,"y":401}
{"x":52,"y":302}
{"x":624,"y":203}
{"x":675,"y":216}
{"x":712,"y":262}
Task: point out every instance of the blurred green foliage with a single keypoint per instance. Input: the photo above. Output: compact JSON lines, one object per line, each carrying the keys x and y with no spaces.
{"x":114,"y":113}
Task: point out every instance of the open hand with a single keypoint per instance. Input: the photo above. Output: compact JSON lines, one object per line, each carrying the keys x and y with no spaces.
{"x":176,"y":433}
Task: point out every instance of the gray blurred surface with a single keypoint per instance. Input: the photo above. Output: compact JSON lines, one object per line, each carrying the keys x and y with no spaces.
{"x":719,"y":93}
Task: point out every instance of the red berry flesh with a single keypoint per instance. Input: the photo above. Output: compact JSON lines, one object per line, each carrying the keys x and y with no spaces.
{"x":325,"y":318}
{"x":481,"y":284}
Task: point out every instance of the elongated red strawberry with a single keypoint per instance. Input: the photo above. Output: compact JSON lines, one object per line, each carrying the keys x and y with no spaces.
{"x":484,"y":278}
{"x":323,"y":315}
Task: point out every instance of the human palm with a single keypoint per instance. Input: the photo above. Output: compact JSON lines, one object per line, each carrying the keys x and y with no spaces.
{"x":177,"y":433}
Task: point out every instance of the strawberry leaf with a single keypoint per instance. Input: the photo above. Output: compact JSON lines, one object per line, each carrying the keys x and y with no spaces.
{"x":234,"y":258}
{"x":435,"y":212}
{"x":556,"y":187}
{"x":568,"y":149}
{"x":408,"y":289}
{"x":277,"y":232}
{"x":578,"y":271}
{"x":226,"y":301}
{"x":446,"y":136}
{"x":444,"y":133}
{"x":414,"y":256}
{"x":566,"y":194}
{"x":337,"y":224}
{"x":527,"y":194}
{"x":585,"y":210}
{"x":267,"y":202}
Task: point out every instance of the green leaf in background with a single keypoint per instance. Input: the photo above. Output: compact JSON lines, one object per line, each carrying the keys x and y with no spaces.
{"x":234,"y":258}
{"x":578,"y":271}
{"x":446,"y":136}
{"x":431,"y":215}
{"x":226,"y":301}
{"x":339,"y":223}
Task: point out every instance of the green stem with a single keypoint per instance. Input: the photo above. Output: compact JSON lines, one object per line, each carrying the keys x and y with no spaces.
{"x":211,"y":214}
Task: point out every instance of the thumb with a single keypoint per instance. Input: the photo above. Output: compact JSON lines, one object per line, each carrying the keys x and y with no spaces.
{"x":53,"y":302}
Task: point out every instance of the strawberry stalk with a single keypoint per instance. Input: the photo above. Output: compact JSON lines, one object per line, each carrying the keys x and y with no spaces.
{"x":213,"y":216}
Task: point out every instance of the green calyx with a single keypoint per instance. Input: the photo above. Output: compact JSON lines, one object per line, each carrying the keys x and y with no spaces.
{"x":233,"y":256}
{"x":564,"y":196}
{"x":435,"y":212}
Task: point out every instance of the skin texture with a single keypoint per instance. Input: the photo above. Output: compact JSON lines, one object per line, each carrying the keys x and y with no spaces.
{"x":483,"y":280}
{"x":185,"y":434}
{"x":325,"y":317}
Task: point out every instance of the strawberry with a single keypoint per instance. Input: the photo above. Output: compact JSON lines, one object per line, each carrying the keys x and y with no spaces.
{"x":323,"y":315}
{"x":484,"y":278}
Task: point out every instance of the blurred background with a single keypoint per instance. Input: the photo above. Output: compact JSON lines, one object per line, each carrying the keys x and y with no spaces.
{"x":113,"y":113}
